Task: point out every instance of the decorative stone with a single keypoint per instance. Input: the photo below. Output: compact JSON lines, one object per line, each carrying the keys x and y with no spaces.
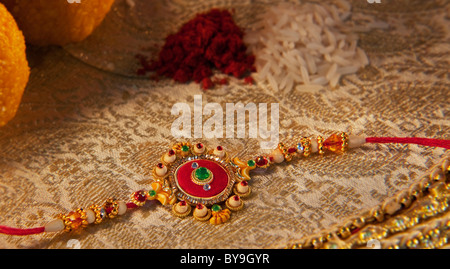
{"x":152,"y":193}
{"x":99,"y":214}
{"x":251,"y":163}
{"x":261,"y":161}
{"x":216,"y":208}
{"x":140,"y":196}
{"x":206,"y":187}
{"x":202,"y":176}
{"x":185,"y":148}
{"x":202,"y":173}
{"x":103,"y":213}
{"x":76,"y":219}
{"x":56,"y":225}
{"x":335,"y":143}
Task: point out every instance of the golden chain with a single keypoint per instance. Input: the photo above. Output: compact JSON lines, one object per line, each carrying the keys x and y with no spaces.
{"x":418,"y":217}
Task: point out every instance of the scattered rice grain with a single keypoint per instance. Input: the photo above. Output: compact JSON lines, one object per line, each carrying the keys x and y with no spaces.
{"x":307,"y":43}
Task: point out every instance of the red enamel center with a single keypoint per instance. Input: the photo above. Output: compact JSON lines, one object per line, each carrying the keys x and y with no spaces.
{"x":218,"y":185}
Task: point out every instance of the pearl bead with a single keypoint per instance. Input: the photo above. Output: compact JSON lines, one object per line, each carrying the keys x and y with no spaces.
{"x":161,"y":171}
{"x":356,"y":141}
{"x":122,"y":208}
{"x":169,"y":158}
{"x":392,"y":207}
{"x":242,"y":188}
{"x":234,"y":202}
{"x":181,"y":208}
{"x":202,"y":212}
{"x":314,"y":146}
{"x":199,"y":150}
{"x":219,"y":153}
{"x":90,"y":216}
{"x":54,"y":226}
{"x":277,"y":156}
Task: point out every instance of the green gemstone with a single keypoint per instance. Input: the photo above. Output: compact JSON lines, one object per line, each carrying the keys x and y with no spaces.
{"x":216,"y":208}
{"x":152,"y":193}
{"x":185,"y":148}
{"x":202,"y":173}
{"x":251,"y":163}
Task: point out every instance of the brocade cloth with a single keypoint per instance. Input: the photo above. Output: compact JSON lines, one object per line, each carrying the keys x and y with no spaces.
{"x":89,"y":128}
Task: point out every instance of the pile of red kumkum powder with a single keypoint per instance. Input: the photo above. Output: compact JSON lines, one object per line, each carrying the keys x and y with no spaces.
{"x":210,"y":40}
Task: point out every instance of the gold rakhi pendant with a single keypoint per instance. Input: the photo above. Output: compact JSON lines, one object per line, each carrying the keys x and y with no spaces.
{"x":207,"y":180}
{"x":209,"y":185}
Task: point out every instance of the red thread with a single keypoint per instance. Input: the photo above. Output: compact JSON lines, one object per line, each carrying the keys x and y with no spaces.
{"x":430,"y":142}
{"x":209,"y":41}
{"x":17,"y":231}
{"x":131,"y":205}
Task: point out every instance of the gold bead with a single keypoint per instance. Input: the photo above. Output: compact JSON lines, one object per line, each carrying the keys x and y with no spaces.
{"x":74,"y":220}
{"x":320,"y":144}
{"x":111,"y":207}
{"x":344,"y":141}
{"x":284,"y":151}
{"x":99,"y":212}
{"x":306,"y":144}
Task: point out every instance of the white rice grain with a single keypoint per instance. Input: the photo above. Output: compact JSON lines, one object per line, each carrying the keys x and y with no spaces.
{"x":362,"y":56}
{"x":305,"y":75}
{"x":319,"y":81}
{"x":272,"y":82}
{"x":348,"y":70}
{"x":306,"y":44}
{"x":334,"y":80}
{"x":331,"y":72}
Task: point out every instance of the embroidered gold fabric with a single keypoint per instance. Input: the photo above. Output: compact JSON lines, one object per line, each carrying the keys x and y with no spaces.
{"x":88,"y":129}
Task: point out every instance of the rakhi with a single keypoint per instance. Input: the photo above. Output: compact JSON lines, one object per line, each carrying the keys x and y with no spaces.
{"x":208,"y":184}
